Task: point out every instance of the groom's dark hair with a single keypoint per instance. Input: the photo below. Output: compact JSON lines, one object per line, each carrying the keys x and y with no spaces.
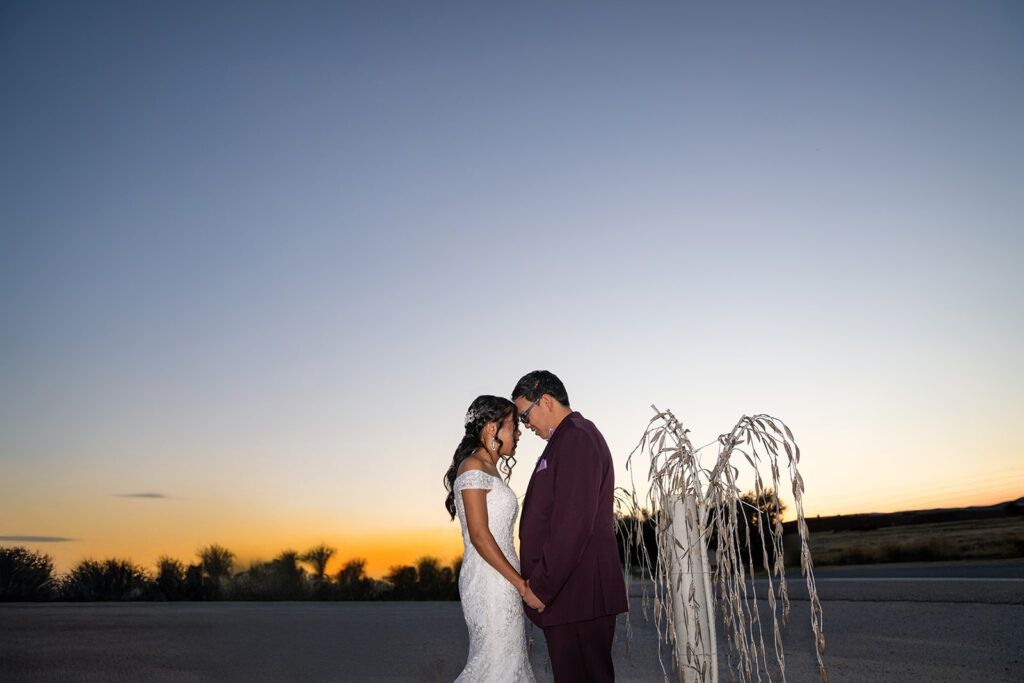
{"x":535,"y":384}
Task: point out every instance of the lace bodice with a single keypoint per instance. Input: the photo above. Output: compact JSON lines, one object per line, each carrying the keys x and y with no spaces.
{"x":502,"y":511}
{"x":491,"y":605}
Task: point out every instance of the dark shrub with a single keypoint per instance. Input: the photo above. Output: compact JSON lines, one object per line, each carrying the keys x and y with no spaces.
{"x":170,"y":579}
{"x":435,"y":582}
{"x":25,"y":575}
{"x":279,"y":579}
{"x":353,"y":584}
{"x":216,"y":562}
{"x":107,"y":580}
{"x":403,"y":583}
{"x":428,"y":580}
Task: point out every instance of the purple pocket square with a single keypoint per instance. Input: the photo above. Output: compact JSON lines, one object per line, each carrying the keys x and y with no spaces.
{"x":543,"y":465}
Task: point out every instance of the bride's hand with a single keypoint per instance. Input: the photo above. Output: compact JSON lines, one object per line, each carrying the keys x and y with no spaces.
{"x":532,"y":600}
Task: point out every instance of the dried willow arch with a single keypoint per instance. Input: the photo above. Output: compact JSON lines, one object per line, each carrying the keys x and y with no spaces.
{"x":696,"y":511}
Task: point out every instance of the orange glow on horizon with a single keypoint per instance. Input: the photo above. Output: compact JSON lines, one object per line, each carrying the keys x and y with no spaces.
{"x":390,"y":547}
{"x":381,"y":551}
{"x":402,"y":547}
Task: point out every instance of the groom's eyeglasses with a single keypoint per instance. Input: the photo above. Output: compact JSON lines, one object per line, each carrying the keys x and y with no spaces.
{"x":524,"y":418}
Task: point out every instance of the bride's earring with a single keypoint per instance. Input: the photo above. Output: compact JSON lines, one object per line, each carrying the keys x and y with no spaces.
{"x":494,"y":444}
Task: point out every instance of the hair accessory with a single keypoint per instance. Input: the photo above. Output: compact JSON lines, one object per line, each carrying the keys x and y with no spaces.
{"x":471,"y":417}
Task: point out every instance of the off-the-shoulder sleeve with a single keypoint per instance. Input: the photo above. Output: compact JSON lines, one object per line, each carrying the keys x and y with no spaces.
{"x":474,"y":479}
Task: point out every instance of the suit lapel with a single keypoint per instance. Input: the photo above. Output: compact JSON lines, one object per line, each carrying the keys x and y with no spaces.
{"x":543,"y":456}
{"x":529,"y":487}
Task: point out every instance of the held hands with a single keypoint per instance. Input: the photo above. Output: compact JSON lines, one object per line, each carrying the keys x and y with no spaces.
{"x":531,"y":599}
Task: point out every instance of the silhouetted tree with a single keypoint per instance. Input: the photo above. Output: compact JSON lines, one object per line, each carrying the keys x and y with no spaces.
{"x":435,"y":582}
{"x":353,"y":570}
{"x":25,"y":575}
{"x":760,"y":512}
{"x":318,"y":556}
{"x":449,"y":588}
{"x":195,"y":588}
{"x":252,"y":584}
{"x":428,"y":577}
{"x":403,"y":582}
{"x":645,"y":540}
{"x":216,"y":562}
{"x":763,"y":509}
{"x":756,"y":511}
{"x":289,"y":578}
{"x":457,"y":570}
{"x":280,"y":579}
{"x":352,"y":583}
{"x":108,"y":580}
{"x":428,"y":580}
{"x":170,"y":579}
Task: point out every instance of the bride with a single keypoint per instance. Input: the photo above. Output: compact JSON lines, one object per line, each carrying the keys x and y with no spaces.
{"x":490,"y":585}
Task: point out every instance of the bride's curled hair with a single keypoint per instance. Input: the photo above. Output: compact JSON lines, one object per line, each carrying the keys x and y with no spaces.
{"x":482,"y":411}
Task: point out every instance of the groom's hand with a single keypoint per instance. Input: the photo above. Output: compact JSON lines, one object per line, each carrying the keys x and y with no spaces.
{"x":531,"y":599}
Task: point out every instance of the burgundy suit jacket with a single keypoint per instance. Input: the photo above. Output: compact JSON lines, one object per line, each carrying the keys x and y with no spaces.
{"x":567,"y":541}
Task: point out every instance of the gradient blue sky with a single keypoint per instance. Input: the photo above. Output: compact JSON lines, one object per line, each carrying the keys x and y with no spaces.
{"x":258,"y":258}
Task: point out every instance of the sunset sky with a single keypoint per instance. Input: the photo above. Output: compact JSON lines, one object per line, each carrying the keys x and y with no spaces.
{"x":256,"y":259}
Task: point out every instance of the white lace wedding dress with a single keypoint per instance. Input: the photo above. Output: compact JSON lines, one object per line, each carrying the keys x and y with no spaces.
{"x":491,"y":605}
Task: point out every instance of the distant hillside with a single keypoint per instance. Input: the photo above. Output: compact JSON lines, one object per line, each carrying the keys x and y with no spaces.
{"x":879,"y":520}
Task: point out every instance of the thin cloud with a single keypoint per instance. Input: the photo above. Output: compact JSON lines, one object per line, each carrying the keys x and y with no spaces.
{"x":141,"y":495}
{"x":37,"y":539}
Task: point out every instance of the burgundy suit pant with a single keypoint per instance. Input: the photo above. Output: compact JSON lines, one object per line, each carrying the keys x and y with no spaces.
{"x":581,"y":652}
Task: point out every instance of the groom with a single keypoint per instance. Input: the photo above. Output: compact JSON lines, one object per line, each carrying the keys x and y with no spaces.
{"x":567,"y":541}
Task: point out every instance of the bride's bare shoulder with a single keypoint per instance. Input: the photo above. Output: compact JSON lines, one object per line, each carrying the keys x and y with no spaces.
{"x":473,"y":463}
